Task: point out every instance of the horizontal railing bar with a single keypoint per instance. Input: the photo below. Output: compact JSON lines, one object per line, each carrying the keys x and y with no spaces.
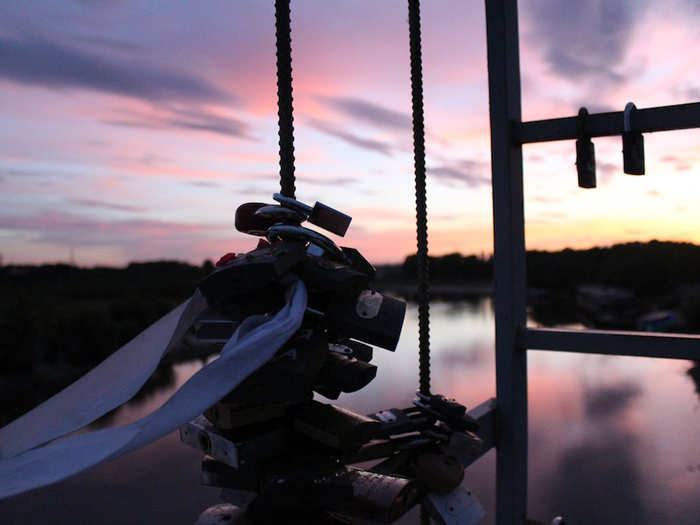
{"x":485,"y":415}
{"x":612,"y":342}
{"x":663,"y":118}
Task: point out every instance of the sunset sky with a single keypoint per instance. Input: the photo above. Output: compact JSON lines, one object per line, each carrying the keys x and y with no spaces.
{"x":131,"y":130}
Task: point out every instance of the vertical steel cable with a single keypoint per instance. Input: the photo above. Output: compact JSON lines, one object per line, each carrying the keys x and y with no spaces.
{"x":285,"y":113}
{"x":422,"y":261}
{"x":421,"y":208}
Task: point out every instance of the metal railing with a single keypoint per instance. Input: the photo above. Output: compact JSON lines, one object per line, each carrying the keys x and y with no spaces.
{"x":513,"y":337}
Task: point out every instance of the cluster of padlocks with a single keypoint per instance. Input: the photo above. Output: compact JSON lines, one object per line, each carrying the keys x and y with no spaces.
{"x":282,"y":455}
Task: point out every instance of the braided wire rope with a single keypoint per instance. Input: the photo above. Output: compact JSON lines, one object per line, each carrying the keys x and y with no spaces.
{"x":287,"y":178}
{"x":422,"y":260}
{"x":421,"y":207}
{"x":285,"y":115}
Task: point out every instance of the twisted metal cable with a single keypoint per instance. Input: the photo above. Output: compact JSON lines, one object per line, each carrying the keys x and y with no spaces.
{"x":285,"y":113}
{"x":421,"y":207}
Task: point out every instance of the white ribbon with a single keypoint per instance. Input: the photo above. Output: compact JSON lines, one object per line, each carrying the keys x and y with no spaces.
{"x":252,"y":345}
{"x":107,"y":386}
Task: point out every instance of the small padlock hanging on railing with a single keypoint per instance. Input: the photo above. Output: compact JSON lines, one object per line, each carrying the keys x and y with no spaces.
{"x":585,"y":154}
{"x":632,"y":145}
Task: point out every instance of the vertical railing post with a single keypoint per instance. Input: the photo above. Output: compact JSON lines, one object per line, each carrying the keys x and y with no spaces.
{"x":509,"y":261}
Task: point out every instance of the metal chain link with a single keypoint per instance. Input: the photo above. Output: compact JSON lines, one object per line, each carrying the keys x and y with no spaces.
{"x":285,"y":113}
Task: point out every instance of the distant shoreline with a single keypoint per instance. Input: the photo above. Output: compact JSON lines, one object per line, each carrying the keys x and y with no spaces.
{"x":445,"y":291}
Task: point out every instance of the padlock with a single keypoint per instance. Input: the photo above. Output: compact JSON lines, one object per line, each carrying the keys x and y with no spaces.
{"x":632,"y":145}
{"x":237,"y":448}
{"x":321,"y":215}
{"x":465,"y":446}
{"x":446,"y":410}
{"x":299,"y":233}
{"x":223,"y":514}
{"x":333,"y":426}
{"x":216,"y":473}
{"x":343,"y":374}
{"x":250,"y":274}
{"x":247,"y":221}
{"x":585,"y":154}
{"x":371,"y":317}
{"x":350,"y":348}
{"x":373,"y":497}
{"x":212,"y":328}
{"x":448,"y":407}
{"x":305,"y":494}
{"x":255,"y":218}
{"x":439,"y":473}
{"x":279,"y":215}
{"x":358,"y":262}
{"x":287,"y":379}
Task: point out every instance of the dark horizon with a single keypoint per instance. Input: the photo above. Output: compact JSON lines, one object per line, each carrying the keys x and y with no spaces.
{"x":482,"y":256}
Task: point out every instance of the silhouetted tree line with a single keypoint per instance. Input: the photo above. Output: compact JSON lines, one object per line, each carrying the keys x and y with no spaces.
{"x":59,"y":321}
{"x":454,"y":267}
{"x":646,"y":268}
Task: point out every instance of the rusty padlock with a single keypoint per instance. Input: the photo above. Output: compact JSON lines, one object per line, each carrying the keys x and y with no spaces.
{"x":439,"y":473}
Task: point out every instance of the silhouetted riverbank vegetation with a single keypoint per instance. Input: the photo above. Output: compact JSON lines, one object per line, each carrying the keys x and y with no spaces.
{"x":645,"y":268}
{"x":655,"y":276}
{"x":58,"y":321}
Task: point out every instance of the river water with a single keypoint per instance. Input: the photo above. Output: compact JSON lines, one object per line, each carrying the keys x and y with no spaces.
{"x":611,"y":439}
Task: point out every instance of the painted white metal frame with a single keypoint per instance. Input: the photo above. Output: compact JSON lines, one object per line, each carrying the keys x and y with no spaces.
{"x":513,"y":337}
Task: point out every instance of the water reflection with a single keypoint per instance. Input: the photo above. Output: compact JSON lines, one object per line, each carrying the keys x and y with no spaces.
{"x":610,"y":401}
{"x":599,"y":481}
{"x":694,"y":374}
{"x":163,"y":379}
{"x":598,"y":478}
{"x":612,"y":439}
{"x":463,"y":356}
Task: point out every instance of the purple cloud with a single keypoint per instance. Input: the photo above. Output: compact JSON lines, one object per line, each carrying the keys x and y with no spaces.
{"x":469,"y":172}
{"x":607,"y":171}
{"x":91,"y":203}
{"x":204,"y":183}
{"x":189,"y":119}
{"x":585,"y":39}
{"x":47,"y":64}
{"x":330,"y":181}
{"x":369,"y":112}
{"x":77,"y":230}
{"x":377,"y":146}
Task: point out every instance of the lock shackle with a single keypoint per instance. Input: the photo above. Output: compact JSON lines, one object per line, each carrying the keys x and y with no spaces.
{"x":299,"y":233}
{"x":629,"y":108}
{"x":581,"y":123}
{"x":289,"y":202}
